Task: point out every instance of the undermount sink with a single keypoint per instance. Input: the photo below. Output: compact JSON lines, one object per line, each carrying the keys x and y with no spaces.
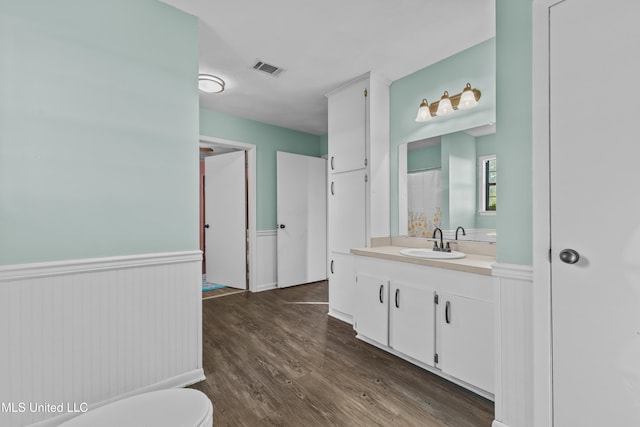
{"x":431,"y":254}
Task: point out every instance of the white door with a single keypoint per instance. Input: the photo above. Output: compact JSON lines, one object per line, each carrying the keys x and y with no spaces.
{"x":595,"y":211}
{"x":225,"y":216}
{"x":302,"y":219}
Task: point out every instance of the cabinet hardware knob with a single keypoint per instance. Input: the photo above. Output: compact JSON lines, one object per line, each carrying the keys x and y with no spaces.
{"x":569,"y":256}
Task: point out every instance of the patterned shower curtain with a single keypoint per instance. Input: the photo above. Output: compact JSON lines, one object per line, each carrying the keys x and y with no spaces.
{"x":424,"y":200}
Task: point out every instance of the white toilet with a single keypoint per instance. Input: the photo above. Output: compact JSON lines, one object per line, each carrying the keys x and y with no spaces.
{"x":181,"y":407}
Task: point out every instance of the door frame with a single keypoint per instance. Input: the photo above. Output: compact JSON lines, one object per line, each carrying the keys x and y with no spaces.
{"x":251,"y":202}
{"x":542,"y":325}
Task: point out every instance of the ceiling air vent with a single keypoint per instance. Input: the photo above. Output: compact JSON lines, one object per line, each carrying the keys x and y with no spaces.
{"x":267,"y":68}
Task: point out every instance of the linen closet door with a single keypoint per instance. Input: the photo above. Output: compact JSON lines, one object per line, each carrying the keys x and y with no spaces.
{"x":302,"y":219}
{"x":595,"y":212}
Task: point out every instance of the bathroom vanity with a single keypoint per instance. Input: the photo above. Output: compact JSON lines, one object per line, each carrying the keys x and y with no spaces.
{"x":437,"y":314}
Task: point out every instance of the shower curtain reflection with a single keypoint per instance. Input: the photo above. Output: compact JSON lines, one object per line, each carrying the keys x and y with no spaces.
{"x":424,"y":202}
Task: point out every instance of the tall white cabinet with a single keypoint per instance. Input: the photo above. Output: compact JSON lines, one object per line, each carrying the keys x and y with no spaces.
{"x":358,"y":181}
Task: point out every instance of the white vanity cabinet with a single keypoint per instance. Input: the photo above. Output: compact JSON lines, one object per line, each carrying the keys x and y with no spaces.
{"x":439,"y":319}
{"x":412,"y":320}
{"x":342,"y":281}
{"x":372,"y":308}
{"x":465,"y":350}
{"x":358,"y":180}
{"x":396,"y":314}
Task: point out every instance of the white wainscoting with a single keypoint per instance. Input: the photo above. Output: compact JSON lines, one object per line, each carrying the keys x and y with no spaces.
{"x":96,"y":330}
{"x":267,"y":261}
{"x":514,"y":346}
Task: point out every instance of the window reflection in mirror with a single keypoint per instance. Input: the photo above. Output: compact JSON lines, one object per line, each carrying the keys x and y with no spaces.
{"x":449,"y":181}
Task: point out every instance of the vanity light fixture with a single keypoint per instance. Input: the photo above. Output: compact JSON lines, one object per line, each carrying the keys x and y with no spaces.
{"x":468,"y":98}
{"x":423,"y":111}
{"x":464,"y":100}
{"x":210,"y":83}
{"x":444,"y":106}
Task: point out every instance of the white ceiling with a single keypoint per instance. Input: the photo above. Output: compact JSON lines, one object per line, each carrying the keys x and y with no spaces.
{"x":322,"y":45}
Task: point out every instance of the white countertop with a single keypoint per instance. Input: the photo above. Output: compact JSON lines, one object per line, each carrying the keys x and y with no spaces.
{"x":471,"y":263}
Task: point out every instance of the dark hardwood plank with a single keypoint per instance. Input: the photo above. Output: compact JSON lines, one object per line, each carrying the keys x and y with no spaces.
{"x":273,"y":360}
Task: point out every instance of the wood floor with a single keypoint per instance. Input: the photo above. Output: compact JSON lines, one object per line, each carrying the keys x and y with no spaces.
{"x":273,"y":359}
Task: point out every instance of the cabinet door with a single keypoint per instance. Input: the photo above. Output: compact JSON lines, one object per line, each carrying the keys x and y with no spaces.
{"x":347,"y":123}
{"x":372,"y":309}
{"x":347,"y":228}
{"x":412,"y":321}
{"x":466,"y":333}
{"x":342,"y":281}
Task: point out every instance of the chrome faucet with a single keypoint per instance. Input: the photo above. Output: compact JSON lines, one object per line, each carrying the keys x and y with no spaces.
{"x":435,"y":246}
{"x":458,"y":229}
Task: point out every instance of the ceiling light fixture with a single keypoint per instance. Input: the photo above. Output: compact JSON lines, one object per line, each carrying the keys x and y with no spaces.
{"x":464,"y":100}
{"x":210,"y":83}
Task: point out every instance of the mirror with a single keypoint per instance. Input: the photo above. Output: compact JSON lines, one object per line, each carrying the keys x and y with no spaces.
{"x":449,"y":181}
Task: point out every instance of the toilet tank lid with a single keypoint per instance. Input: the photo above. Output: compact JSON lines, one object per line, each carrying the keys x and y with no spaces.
{"x":164,"y":408}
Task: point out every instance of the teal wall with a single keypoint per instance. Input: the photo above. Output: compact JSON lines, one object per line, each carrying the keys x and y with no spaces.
{"x":324,"y":145}
{"x":514,"y":124}
{"x":424,"y":158}
{"x":98,"y":129}
{"x":485,"y":145}
{"x":268,"y":140}
{"x":475,"y":65}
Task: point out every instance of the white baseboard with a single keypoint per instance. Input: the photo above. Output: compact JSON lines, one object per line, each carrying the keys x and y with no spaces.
{"x":341,"y":316}
{"x":93,"y":330}
{"x":267,"y":286}
{"x":498,"y":424}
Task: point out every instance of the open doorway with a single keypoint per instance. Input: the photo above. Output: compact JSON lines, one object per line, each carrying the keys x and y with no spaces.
{"x":227,"y":213}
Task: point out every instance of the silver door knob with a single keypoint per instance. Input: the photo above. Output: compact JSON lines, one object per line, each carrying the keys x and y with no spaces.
{"x":569,"y":256}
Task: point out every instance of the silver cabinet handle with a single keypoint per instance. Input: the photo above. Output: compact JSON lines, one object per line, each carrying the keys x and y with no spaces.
{"x":331,"y":266}
{"x":332,"y":166}
{"x":397,"y":298}
{"x":332,"y":188}
{"x":380,"y":294}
